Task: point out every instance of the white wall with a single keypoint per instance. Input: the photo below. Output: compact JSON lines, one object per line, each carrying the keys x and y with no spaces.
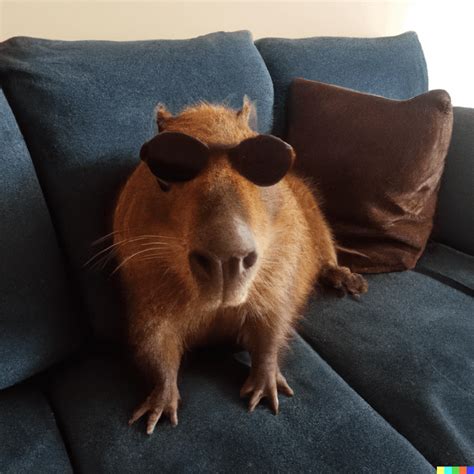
{"x":444,"y":27}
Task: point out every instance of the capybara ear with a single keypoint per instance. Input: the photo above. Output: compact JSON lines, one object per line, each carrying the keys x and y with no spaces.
{"x":162,"y":115}
{"x":248,"y":113}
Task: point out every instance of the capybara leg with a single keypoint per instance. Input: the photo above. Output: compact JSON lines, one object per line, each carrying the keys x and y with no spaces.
{"x":265,"y":379}
{"x":158,"y":354}
{"x":343,"y":279}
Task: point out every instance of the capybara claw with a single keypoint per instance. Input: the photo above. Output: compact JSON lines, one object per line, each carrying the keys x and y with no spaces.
{"x":265,"y":386}
{"x":159,"y":402}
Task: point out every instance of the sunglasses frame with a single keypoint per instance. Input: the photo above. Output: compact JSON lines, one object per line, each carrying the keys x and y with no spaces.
{"x":175,"y":157}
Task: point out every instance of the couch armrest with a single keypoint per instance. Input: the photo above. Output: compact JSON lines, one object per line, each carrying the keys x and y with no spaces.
{"x":454,"y":222}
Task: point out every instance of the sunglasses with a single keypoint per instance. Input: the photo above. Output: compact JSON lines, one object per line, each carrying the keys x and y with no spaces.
{"x":175,"y":157}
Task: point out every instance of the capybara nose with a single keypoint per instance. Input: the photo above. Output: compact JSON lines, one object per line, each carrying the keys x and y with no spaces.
{"x":204,"y":265}
{"x":208,"y":266}
{"x":235,"y":267}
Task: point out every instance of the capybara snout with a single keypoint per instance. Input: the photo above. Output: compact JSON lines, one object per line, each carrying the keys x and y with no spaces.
{"x":223,"y":240}
{"x":223,"y":258}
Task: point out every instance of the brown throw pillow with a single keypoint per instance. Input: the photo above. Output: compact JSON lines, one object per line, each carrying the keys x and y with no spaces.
{"x":377,"y":164}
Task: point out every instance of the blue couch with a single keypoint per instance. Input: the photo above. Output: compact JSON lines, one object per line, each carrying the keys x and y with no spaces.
{"x":382,"y":384}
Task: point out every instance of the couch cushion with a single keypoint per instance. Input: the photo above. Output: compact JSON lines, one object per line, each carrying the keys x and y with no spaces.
{"x":407,"y":348}
{"x":450,"y":265}
{"x":30,"y":438}
{"x":454,"y":225}
{"x":342,"y":142}
{"x":86,"y":107}
{"x":37,"y":319}
{"x":393,"y":67}
{"x":325,"y":427}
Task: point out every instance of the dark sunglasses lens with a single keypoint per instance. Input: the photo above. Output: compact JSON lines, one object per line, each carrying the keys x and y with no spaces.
{"x":174,"y":156}
{"x":263,"y":159}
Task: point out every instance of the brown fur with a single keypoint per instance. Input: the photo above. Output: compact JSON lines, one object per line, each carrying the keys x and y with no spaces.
{"x":168,"y":311}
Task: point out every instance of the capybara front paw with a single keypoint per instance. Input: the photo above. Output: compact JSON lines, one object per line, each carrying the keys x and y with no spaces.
{"x":343,"y":279}
{"x":265,"y":384}
{"x":357,"y":285}
{"x":159,"y":402}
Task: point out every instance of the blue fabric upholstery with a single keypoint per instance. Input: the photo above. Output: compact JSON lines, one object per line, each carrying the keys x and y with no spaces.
{"x":393,"y":67}
{"x":30,"y":440}
{"x":86,"y":107}
{"x":37,"y":319}
{"x":454,"y":224}
{"x":407,"y":348}
{"x":325,"y":427}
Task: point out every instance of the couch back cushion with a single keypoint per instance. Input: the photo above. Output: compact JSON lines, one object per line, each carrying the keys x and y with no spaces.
{"x":454,"y":223}
{"x":86,"y":107}
{"x":38,"y":322}
{"x":392,"y":67}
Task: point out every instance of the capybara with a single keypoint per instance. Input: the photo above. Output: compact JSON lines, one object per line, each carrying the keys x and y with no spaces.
{"x":218,"y":241}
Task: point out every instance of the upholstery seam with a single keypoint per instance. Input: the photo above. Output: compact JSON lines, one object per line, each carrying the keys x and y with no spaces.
{"x":444,"y":279}
{"x":62,"y":432}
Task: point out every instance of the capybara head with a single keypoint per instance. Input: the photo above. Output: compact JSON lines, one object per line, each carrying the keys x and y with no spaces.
{"x":209,"y":190}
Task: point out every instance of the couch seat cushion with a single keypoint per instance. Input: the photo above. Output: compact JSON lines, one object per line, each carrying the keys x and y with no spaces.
{"x":86,"y":107}
{"x":30,"y":440}
{"x":38,"y":323}
{"x":326,"y":427}
{"x":407,"y":347}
